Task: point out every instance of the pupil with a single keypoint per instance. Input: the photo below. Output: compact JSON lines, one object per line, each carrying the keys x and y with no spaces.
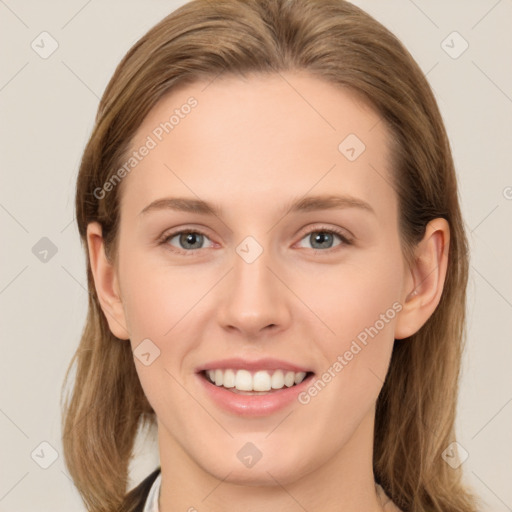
{"x":322,"y":237}
{"x":189,"y":238}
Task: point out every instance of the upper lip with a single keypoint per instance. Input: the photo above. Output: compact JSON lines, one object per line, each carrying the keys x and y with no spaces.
{"x":236,"y":363}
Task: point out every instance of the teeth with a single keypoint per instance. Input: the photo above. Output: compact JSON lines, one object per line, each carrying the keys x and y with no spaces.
{"x":289,"y":379}
{"x":262,"y":380}
{"x":229,"y":379}
{"x":243,"y":380}
{"x":277,"y":380}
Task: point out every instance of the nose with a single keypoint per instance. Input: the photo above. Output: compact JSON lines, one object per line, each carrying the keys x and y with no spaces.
{"x":253,"y":301}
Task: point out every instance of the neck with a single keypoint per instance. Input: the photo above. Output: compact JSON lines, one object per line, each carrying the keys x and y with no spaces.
{"x":343,"y":482}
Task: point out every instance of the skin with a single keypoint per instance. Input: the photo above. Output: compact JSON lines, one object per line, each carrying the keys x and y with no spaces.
{"x":252,"y":146}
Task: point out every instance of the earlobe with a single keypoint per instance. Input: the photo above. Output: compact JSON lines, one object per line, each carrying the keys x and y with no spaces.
{"x":106,"y":282}
{"x":425,"y":282}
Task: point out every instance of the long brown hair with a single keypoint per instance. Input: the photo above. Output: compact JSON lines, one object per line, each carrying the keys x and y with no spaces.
{"x":337,"y":42}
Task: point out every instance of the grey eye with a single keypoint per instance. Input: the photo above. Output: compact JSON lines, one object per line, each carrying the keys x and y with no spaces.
{"x":321,"y":239}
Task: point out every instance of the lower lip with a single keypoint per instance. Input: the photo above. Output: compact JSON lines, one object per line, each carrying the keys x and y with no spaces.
{"x":253,"y":405}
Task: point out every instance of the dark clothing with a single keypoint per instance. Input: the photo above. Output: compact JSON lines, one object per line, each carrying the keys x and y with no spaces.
{"x":136,"y":498}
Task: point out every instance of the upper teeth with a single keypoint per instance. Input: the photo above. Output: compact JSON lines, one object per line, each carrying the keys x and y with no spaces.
{"x":262,"y":380}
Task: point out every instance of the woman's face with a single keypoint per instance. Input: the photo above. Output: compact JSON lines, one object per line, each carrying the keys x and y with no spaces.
{"x":299,"y":270}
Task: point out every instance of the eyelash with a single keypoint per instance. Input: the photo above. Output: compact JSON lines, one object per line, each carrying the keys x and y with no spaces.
{"x":333,"y":231}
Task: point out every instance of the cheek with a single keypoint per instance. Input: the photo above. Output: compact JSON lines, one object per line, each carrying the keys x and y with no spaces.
{"x":355,"y":360}
{"x":359,"y":302}
{"x":353,"y":295}
{"x":157,"y":297}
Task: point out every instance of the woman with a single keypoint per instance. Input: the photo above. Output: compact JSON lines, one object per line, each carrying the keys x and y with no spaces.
{"x":277,"y":269}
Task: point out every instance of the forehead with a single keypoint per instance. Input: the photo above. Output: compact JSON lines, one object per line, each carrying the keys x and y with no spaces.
{"x":281,"y":134}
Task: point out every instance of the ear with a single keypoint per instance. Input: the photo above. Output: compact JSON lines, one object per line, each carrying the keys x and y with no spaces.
{"x":106,"y":282}
{"x":425,"y":279}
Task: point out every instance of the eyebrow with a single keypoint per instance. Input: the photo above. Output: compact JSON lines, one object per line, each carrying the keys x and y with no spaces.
{"x":306,"y":204}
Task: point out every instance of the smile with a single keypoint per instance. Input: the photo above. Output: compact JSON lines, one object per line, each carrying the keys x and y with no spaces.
{"x":253,"y":388}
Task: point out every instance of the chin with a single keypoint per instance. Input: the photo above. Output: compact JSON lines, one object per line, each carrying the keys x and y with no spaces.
{"x":271,"y":469}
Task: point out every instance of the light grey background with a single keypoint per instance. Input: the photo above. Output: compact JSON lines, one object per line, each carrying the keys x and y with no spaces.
{"x":47,"y":111}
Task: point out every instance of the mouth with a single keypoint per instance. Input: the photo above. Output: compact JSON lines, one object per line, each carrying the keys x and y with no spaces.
{"x":253,"y":388}
{"x":255,"y":383}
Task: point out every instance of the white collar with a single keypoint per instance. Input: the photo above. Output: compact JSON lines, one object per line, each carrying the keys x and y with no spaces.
{"x":151,"y":504}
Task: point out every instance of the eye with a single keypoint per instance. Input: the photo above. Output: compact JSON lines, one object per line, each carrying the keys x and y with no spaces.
{"x":186,"y":240}
{"x":323,"y":239}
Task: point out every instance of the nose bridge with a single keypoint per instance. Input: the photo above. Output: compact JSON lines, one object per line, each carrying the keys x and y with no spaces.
{"x":251,"y":275}
{"x":254,"y":298}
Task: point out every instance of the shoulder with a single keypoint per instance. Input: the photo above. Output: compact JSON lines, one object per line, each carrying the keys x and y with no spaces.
{"x":134,"y":501}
